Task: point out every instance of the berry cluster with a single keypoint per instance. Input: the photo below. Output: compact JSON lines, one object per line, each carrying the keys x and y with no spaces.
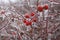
{"x":41,"y":8}
{"x":34,"y":19}
{"x":27,"y":16}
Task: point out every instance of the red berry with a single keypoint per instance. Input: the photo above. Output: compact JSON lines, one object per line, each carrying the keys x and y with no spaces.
{"x":27,"y":23}
{"x":27,"y":16}
{"x":34,"y":19}
{"x":40,"y":8}
{"x":32,"y":14}
{"x":45,"y":7}
{"x":30,"y":23}
{"x":24,"y":21}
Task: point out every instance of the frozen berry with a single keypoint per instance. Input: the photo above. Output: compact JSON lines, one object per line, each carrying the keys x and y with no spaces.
{"x":27,"y":23}
{"x":30,"y":23}
{"x":45,"y":7}
{"x":34,"y":19}
{"x":27,"y":16}
{"x":24,"y":20}
{"x":40,"y":8}
{"x":32,"y":14}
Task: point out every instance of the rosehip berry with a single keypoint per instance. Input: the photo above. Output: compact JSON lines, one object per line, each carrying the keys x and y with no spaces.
{"x":24,"y":20}
{"x":27,"y":23}
{"x":30,"y":23}
{"x":45,"y":7}
{"x":32,"y":14}
{"x":40,"y":8}
{"x":27,"y":16}
{"x":34,"y":19}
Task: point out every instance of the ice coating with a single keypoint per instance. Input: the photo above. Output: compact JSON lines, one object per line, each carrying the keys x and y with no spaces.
{"x":41,"y":25}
